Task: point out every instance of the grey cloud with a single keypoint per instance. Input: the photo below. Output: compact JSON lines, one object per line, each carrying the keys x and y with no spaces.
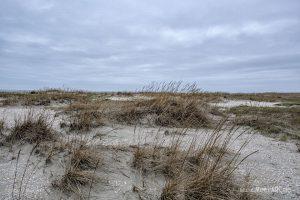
{"x":236,"y":45}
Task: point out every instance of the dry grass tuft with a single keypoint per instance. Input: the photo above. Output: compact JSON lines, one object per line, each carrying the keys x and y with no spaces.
{"x":181,"y":112}
{"x":73,"y":179}
{"x":84,"y":120}
{"x":172,"y":104}
{"x":32,"y":128}
{"x":84,"y":157}
{"x":196,"y":171}
{"x":80,"y":169}
{"x":167,"y":111}
{"x":2,"y":126}
{"x":163,"y":160}
{"x":130,"y":113}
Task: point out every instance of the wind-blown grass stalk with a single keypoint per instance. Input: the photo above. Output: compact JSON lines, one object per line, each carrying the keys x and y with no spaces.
{"x":25,"y":170}
{"x":195,"y":170}
{"x":15,"y":174}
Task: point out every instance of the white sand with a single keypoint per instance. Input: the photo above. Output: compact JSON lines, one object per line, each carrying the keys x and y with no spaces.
{"x":235,"y":103}
{"x":128,"y":98}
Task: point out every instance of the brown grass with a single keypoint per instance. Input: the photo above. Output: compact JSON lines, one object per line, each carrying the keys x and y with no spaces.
{"x":73,"y":179}
{"x":84,"y":120}
{"x":264,"y":125}
{"x":2,"y":126}
{"x":181,"y":113}
{"x":130,"y":113}
{"x":172,"y":104}
{"x":268,"y":96}
{"x":84,"y":157}
{"x":84,"y":116}
{"x":42,"y":97}
{"x":32,"y":128}
{"x":268,"y":120}
{"x":167,"y":111}
{"x":80,"y":169}
{"x":203,"y":171}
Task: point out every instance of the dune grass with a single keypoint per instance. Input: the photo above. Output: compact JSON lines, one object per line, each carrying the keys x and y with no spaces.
{"x":42,"y":97}
{"x":32,"y":128}
{"x":2,"y":126}
{"x":268,"y":120}
{"x":195,"y":171}
{"x":192,"y":170}
{"x":171,"y":105}
{"x":84,"y":157}
{"x":73,"y":179}
{"x":80,"y":168}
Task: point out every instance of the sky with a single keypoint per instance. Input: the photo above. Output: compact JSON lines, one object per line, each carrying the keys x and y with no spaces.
{"x":119,"y":45}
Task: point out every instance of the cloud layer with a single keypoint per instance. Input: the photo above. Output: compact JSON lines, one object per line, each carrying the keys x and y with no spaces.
{"x":236,"y":45}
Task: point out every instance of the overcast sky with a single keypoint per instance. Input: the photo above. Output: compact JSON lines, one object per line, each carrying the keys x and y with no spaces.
{"x":223,"y":45}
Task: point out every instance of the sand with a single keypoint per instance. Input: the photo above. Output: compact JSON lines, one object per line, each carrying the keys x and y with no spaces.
{"x":274,"y":169}
{"x":235,"y":103}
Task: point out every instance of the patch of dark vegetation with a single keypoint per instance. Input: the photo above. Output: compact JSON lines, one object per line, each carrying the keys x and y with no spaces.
{"x":125,"y":94}
{"x":32,"y":128}
{"x":2,"y":127}
{"x":84,"y":157}
{"x":9,"y":101}
{"x":171,"y":104}
{"x":262,"y":124}
{"x":217,"y":111}
{"x":181,"y":113}
{"x":130,"y":113}
{"x":42,"y":97}
{"x":83,"y":120}
{"x":268,"y":120}
{"x":166,"y":111}
{"x":268,"y":96}
{"x":73,"y":179}
{"x":292,"y":103}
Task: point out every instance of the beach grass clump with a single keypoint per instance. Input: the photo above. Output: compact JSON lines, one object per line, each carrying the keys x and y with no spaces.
{"x":32,"y":128}
{"x":85,"y":157}
{"x":73,"y":179}
{"x":84,"y":120}
{"x":195,"y":171}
